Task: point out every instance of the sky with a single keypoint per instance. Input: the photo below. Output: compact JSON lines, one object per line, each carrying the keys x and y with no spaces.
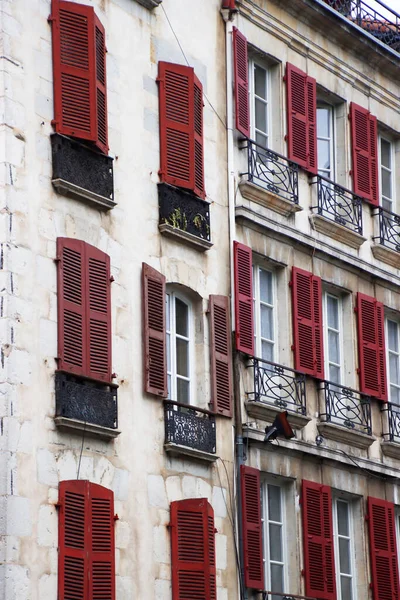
{"x":395,"y":4}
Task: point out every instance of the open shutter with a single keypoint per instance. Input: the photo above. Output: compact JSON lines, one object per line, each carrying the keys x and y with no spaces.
{"x":99,"y":314}
{"x":244,"y":320}
{"x":193,"y":549}
{"x":221,"y":356}
{"x":251,"y":527}
{"x":297,"y":115}
{"x":241,"y":71}
{"x":312,"y":159}
{"x":364,"y":153}
{"x":101,"y":555}
{"x":319,"y":565}
{"x":383,"y":551}
{"x":371,"y":347}
{"x":101,"y":87}
{"x":154,"y":332}
{"x":373,"y":147}
{"x":198,"y":139}
{"x":71,"y":300}
{"x":74,"y":70}
{"x":307,"y":323}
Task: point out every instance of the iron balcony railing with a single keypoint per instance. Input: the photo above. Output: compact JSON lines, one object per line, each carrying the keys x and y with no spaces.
{"x":374,"y":16}
{"x":389,"y":229}
{"x":278,"y":385}
{"x":189,"y":426}
{"x":393,"y":422}
{"x":184,"y":211}
{"x":346,"y":407}
{"x":338,"y":204}
{"x":272,"y":171}
{"x":283,"y":596}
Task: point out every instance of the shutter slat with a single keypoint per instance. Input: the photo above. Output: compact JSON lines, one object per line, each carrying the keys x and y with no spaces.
{"x":244,"y":319}
{"x":251,"y":527}
{"x":383,"y":550}
{"x":101,"y":86}
{"x":101,"y":552}
{"x":297,"y":116}
{"x":371,"y":346}
{"x":154,"y":332}
{"x":221,"y":356}
{"x":241,"y":73}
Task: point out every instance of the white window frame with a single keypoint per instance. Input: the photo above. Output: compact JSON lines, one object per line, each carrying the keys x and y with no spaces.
{"x":253,"y":61}
{"x":257,"y":312}
{"x":351,"y":538}
{"x":388,"y":352}
{"x":265,"y":525}
{"x":392,"y":171}
{"x":331,"y":107}
{"x":338,"y":297}
{"x":172,"y":294}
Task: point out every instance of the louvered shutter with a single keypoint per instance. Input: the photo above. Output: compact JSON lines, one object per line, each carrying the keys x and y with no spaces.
{"x":241,"y":71}
{"x":371,"y":346}
{"x":251,"y":527}
{"x":101,"y":550}
{"x":373,"y":145}
{"x":364,"y":153}
{"x":98,"y":313}
{"x":221,"y":356}
{"x":319,"y":565}
{"x":101,"y":86}
{"x":244,"y":320}
{"x":193,"y":550}
{"x":198,"y":139}
{"x":312,"y":159}
{"x":307,"y":323}
{"x":383,"y":550}
{"x":71,"y":300}
{"x":297,"y":116}
{"x":154,"y":332}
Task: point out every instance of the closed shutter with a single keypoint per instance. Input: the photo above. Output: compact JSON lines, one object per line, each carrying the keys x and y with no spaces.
{"x":154,"y":332}
{"x":251,"y":527}
{"x":383,"y":550}
{"x":80,"y":107}
{"x":371,"y":347}
{"x":86,"y":560}
{"x":193,"y":550}
{"x":244,"y":320}
{"x":198,"y":139}
{"x":307,"y":323}
{"x":241,"y":71}
{"x":319,"y":565}
{"x":221,"y":356}
{"x":364,"y":153}
{"x":312,"y":161}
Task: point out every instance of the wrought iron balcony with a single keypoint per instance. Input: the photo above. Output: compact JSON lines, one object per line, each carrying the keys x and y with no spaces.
{"x":272,"y":171}
{"x":382,"y":22}
{"x":278,"y":385}
{"x":282,"y":596}
{"x":183,"y":212}
{"x":389,"y":229}
{"x":393,"y":412}
{"x":189,"y":426}
{"x":346,"y":407}
{"x":338,"y":204}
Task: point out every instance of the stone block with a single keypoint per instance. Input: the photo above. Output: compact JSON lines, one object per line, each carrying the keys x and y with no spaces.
{"x":173,"y":485}
{"x":47,"y":468}
{"x":221,"y":551}
{"x":161,"y":545}
{"x":219,"y":501}
{"x":19,"y":521}
{"x":156,"y":491}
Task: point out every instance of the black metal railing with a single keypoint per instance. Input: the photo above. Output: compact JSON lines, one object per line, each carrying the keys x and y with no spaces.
{"x":189,"y":426}
{"x":338,"y":204}
{"x":278,"y":385}
{"x":393,"y":422}
{"x":272,"y":171}
{"x":346,"y":407}
{"x":183,"y":210}
{"x":389,"y":228}
{"x":381,"y":22}
{"x":283,"y":596}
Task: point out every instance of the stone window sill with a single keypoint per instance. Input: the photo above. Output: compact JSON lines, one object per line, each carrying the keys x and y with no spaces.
{"x":386,"y":255}
{"x":185,"y":237}
{"x":336,"y":231}
{"x":391,"y":449}
{"x":267,"y":412}
{"x":258,"y":194}
{"x":88,"y":428}
{"x":178,"y":450}
{"x":331,"y":431}
{"x":150,"y":4}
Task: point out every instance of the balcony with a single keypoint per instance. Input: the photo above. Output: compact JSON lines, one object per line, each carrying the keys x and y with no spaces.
{"x":391,"y":430}
{"x":282,"y":596}
{"x":184,"y":216}
{"x":346,"y":416}
{"x":270,"y":180}
{"x":189,"y":431}
{"x":388,"y":247}
{"x":338,"y":212}
{"x":277,"y":388}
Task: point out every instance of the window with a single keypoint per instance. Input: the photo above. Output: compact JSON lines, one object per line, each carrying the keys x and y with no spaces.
{"x":393,"y":359}
{"x":387,"y":174}
{"x":179,"y":341}
{"x":344,"y":548}
{"x":264,"y":313}
{"x":325,"y":140}
{"x":260,"y":103}
{"x":274,"y":538}
{"x":333,"y":337}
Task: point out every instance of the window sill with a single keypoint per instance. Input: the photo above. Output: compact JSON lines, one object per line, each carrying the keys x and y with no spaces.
{"x":88,"y":428}
{"x":391,"y":449}
{"x":267,"y":412}
{"x":336,"y":231}
{"x":185,"y":237}
{"x":66,"y":188}
{"x":150,"y":4}
{"x":256,"y":193}
{"x":331,"y":431}
{"x":386,"y":255}
{"x":178,"y":450}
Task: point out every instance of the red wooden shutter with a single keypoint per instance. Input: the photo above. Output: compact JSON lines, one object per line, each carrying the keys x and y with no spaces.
{"x":101,"y":87}
{"x":297,"y":115}
{"x":154,"y":332}
{"x":319,"y":565}
{"x":244,"y":321}
{"x":193,"y":550}
{"x":241,"y":70}
{"x":383,"y":550}
{"x":307,"y":323}
{"x":312,"y":160}
{"x":98,"y":313}
{"x":221,"y":356}
{"x":364,"y":153}
{"x":371,"y":346}
{"x":198,"y":139}
{"x":251,"y":527}
{"x":373,"y":144}
{"x":101,"y":552}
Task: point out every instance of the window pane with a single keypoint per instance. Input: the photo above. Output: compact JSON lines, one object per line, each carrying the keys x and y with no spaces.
{"x":182,"y":388}
{"x":181,"y":317}
{"x":261,"y":115}
{"x":267,"y":351}
{"x":182,"y":362}
{"x":344,"y":555}
{"x":385,"y":154}
{"x":168,"y":352}
{"x":274,"y":503}
{"x":387,"y":205}
{"x":395,"y":395}
{"x":167,"y":309}
{"x":394,"y":368}
{"x":266,"y":286}
{"x":260,"y":82}
{"x":345,"y":588}
{"x":267,"y":324}
{"x":333,"y":345}
{"x":393,"y":339}
{"x":323,"y":128}
{"x":386,"y":183}
{"x":343,"y":518}
{"x":262,"y":140}
{"x":333,"y":312}
{"x":277,"y":578}
{"x":324,"y":157}
{"x":334,"y":374}
{"x":275,"y":542}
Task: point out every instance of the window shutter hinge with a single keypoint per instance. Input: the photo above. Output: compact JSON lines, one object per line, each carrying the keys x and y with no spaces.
{"x":290,"y":283}
{"x":113,"y":375}
{"x":351,"y":173}
{"x":286,"y":138}
{"x":50,"y":18}
{"x":302,"y":573}
{"x":370,"y":586}
{"x":292,"y":347}
{"x":53,"y":122}
{"x":112,"y":278}
{"x":116,"y":517}
{"x":358,"y":371}
{"x":284,"y":78}
{"x":57,"y":260}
